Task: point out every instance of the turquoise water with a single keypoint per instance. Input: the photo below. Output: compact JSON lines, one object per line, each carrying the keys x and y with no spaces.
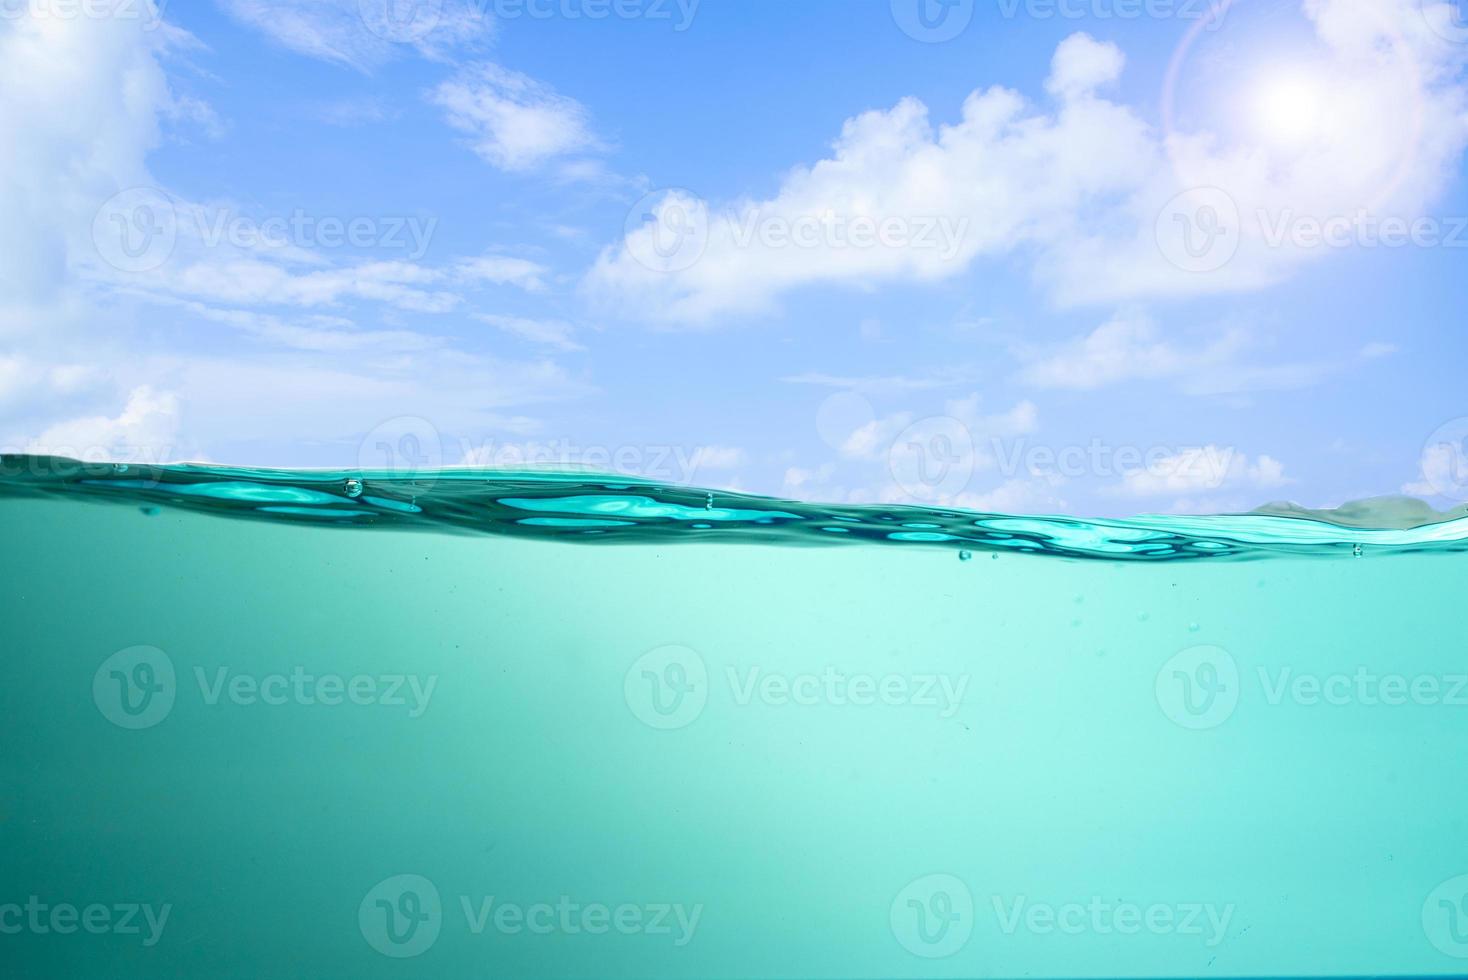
{"x":473,"y":724}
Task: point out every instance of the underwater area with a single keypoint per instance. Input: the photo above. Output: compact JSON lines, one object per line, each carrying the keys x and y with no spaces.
{"x":269,"y":723}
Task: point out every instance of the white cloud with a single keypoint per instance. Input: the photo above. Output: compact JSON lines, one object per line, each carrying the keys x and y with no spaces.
{"x":25,"y":380}
{"x":1082,"y":65}
{"x":250,"y":281}
{"x":1018,"y":495}
{"x":1125,"y":348}
{"x":80,"y":104}
{"x":877,"y":439}
{"x":1202,"y":470}
{"x":1130,"y":347}
{"x":515,"y":123}
{"x":363,"y":34}
{"x":145,"y":431}
{"x":1444,"y":471}
{"x":286,"y":364}
{"x":946,"y":377}
{"x":1084,"y":188}
{"x":556,"y":334}
{"x":505,"y":270}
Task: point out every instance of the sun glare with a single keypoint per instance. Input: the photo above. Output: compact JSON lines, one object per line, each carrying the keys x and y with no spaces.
{"x":1287,"y":107}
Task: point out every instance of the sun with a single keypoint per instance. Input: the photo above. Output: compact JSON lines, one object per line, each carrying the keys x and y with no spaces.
{"x":1287,"y":107}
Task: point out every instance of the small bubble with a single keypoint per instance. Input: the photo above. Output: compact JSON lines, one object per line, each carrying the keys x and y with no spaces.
{"x":1358,"y":551}
{"x":1142,"y":617}
{"x":354,"y":488}
{"x":994,"y":556}
{"x":1079,"y":600}
{"x":965,"y":555}
{"x":150,"y":509}
{"x":119,"y":467}
{"x":1193,"y":627}
{"x":709,"y":503}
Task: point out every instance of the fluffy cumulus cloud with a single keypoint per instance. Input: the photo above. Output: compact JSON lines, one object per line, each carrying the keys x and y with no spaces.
{"x":1104,"y":206}
{"x":1204,"y":469}
{"x":1444,"y":465}
{"x":146,"y":430}
{"x":958,"y":456}
{"x":514,"y":122}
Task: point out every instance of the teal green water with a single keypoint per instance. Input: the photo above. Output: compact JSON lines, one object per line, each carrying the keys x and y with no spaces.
{"x":307,"y":724}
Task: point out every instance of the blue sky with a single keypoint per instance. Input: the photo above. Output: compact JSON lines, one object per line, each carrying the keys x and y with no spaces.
{"x":1087,"y":256}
